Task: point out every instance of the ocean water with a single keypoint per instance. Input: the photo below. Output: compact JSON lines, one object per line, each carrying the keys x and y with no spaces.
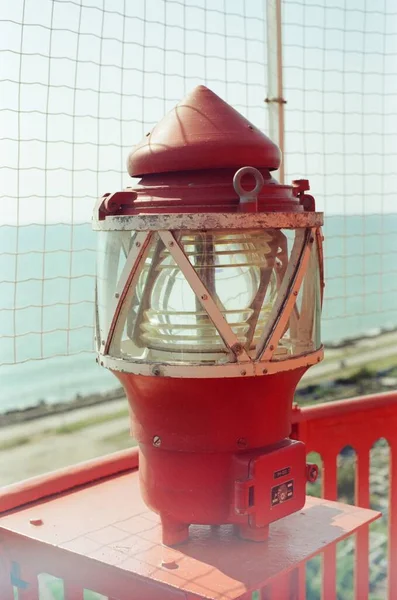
{"x":47,"y":288}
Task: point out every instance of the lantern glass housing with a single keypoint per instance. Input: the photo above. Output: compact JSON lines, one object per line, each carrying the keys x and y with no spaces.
{"x":246,"y":272}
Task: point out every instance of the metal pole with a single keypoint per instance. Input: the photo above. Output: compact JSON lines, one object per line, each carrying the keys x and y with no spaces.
{"x":275,"y":99}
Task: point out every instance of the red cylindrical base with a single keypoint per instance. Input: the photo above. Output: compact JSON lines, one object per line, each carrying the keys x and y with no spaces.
{"x":191,"y":434}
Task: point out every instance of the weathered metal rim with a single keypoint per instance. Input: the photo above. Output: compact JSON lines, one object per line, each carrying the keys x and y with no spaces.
{"x":185,"y":371}
{"x":207,"y":221}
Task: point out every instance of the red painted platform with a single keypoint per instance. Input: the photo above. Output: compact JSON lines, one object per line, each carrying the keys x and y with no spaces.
{"x":103,"y":537}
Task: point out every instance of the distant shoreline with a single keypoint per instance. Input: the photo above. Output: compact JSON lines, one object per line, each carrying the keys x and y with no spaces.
{"x":370,"y":335}
{"x":42,"y":409}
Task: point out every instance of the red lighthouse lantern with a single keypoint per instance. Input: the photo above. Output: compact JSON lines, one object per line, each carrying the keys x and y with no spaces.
{"x":209,"y":295}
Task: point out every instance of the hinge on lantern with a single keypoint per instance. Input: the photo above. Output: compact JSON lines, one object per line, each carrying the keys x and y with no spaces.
{"x":244,"y":496}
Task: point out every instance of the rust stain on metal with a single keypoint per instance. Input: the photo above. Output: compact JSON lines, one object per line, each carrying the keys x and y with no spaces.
{"x":204,"y":221}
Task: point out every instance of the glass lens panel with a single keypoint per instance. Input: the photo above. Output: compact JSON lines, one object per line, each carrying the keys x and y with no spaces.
{"x":238,"y":269}
{"x":303,"y":332}
{"x":113,"y":248}
{"x":164,"y":320}
{"x":271,"y":278}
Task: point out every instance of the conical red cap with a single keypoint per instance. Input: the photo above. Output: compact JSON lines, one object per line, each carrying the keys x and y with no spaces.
{"x":202,"y":132}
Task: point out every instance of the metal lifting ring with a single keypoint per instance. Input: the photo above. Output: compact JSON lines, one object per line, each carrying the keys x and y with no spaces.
{"x":248,"y":196}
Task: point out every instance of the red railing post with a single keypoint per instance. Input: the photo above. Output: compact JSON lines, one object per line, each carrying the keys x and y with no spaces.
{"x":329,"y":492}
{"x":393,"y":522}
{"x":361,"y":584}
{"x":281,"y":588}
{"x":302,"y":582}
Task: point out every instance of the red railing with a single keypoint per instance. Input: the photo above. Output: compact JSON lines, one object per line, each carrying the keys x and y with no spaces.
{"x":326,"y":429}
{"x":359,"y":423}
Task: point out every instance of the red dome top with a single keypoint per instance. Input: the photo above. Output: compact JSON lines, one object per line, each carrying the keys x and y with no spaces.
{"x":202,"y":132}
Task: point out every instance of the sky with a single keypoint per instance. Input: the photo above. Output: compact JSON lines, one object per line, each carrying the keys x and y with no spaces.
{"x":82,"y":81}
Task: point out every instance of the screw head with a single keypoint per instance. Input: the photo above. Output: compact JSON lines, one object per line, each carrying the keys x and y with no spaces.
{"x":171,"y":244}
{"x":264,"y":371}
{"x":271,"y":347}
{"x":117,"y":295}
{"x":242,"y":443}
{"x":137,"y":244}
{"x":204,"y":297}
{"x":295,"y":293}
{"x":243,"y":372}
{"x":156,"y":441}
{"x":156,"y":371}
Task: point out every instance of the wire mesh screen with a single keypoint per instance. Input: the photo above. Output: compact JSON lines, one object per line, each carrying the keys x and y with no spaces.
{"x":81,"y":83}
{"x":340,"y":78}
